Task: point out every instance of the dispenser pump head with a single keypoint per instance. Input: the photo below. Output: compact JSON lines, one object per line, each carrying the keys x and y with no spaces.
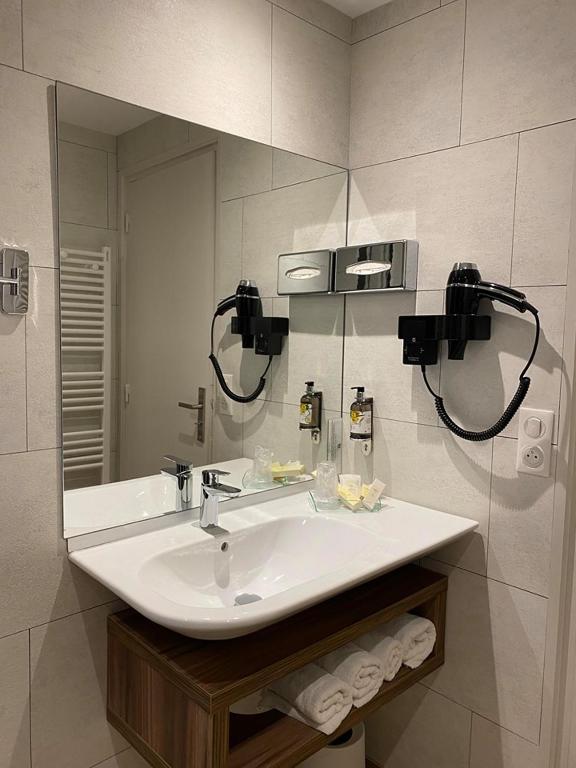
{"x":359,"y":392}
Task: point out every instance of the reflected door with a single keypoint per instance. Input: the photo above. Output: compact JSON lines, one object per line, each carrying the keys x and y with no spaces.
{"x":167,"y":294}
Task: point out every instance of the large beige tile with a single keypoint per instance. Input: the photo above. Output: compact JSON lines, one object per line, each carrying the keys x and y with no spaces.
{"x":458,"y":204}
{"x":28,"y":162}
{"x":543,"y":205}
{"x":129,"y":758}
{"x":521,"y":512}
{"x":428,"y":466}
{"x":373,"y":354}
{"x":227,"y":434}
{"x":389,"y":15}
{"x":312,"y":351}
{"x":14,"y":702}
{"x":43,"y":361}
{"x":495,"y":747}
{"x":13,"y":400}
{"x":189,"y":60}
{"x":37,"y":582}
{"x":288,"y":168}
{"x":419,"y":729}
{"x":68,"y":687}
{"x":275,"y":426}
{"x":520,"y":66}
{"x":150,"y":139}
{"x":478,"y":389}
{"x":228,"y":266}
{"x":406,"y":88}
{"x":495,"y":640}
{"x":245,"y":167}
{"x":76,"y":134}
{"x":321,"y":15}
{"x":310,"y":87}
{"x":298,"y":218}
{"x":11,"y":33}
{"x":83,"y":185}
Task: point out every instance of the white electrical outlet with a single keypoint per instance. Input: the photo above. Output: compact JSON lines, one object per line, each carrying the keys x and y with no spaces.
{"x":225,"y":406}
{"x":535,"y":429}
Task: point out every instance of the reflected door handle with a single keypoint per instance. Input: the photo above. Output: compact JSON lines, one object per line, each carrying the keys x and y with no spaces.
{"x":200,"y":406}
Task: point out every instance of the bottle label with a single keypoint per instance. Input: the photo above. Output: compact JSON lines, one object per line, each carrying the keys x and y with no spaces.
{"x":358,"y":425}
{"x":306,"y":414}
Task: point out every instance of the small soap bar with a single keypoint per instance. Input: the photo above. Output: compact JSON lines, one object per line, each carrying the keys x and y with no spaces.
{"x":349,"y":498}
{"x":373,"y":493}
{"x":289,"y":469}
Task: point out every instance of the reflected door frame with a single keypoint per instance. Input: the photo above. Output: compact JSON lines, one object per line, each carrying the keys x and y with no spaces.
{"x":125,"y":177}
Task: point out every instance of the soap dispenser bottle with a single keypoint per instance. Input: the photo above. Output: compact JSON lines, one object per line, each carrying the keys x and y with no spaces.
{"x":361,"y":419}
{"x":311,"y":411}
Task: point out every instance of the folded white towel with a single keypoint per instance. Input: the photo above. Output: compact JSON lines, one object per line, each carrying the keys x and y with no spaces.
{"x":386,"y":648}
{"x":360,"y":670}
{"x":319,"y":697}
{"x":271,"y":700}
{"x":416,"y":635}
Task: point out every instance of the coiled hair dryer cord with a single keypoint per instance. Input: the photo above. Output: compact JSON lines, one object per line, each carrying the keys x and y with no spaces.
{"x":513,"y":406}
{"x":222,"y":381}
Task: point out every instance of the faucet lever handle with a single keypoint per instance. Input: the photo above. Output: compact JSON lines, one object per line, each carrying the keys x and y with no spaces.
{"x":210,"y":476}
{"x":182,"y":465}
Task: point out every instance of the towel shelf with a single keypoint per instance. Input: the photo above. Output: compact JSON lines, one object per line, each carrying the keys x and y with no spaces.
{"x":170,"y":695}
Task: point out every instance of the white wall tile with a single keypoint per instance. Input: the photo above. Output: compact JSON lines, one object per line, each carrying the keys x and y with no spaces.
{"x":458,"y":204}
{"x":11,"y":33}
{"x":543,"y":205}
{"x":43,"y":361}
{"x":13,"y":401}
{"x":428,"y":466}
{"x":478,"y":390}
{"x":288,"y":168}
{"x":373,"y":355}
{"x":152,"y":138}
{"x":495,"y":638}
{"x":219,"y":50}
{"x":228,"y":267}
{"x":14,"y":702}
{"x":419,"y":729}
{"x":297,"y":218}
{"x":406,"y":88}
{"x":312,"y":351}
{"x":521,"y":512}
{"x":28,"y":162}
{"x":311,"y":90}
{"x":77,"y":134}
{"x":519,"y":68}
{"x":321,"y":15}
{"x":127,"y":759}
{"x":112,"y":179}
{"x":68,"y":685}
{"x":245,"y":167}
{"x":388,"y":15}
{"x":495,"y":747}
{"x":37,"y":582}
{"x":83,"y":187}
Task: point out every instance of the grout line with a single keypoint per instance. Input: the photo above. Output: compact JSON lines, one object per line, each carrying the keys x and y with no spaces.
{"x":75,"y":613}
{"x":490,"y":484}
{"x":311,"y":23}
{"x":515,"y":199}
{"x":105,"y":760}
{"x":272,"y":78}
{"x":399,"y":24}
{"x":22,"y":38}
{"x":463,"y":66}
{"x":56,"y":309}
{"x":30,"y":696}
{"x":470,"y":739}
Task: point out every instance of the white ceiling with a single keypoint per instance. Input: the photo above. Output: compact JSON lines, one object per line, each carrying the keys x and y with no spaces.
{"x":99,"y":113}
{"x":355,"y":8}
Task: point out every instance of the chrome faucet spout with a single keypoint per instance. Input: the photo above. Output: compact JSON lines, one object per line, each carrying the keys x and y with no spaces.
{"x":212,"y":492}
{"x":182,"y":473}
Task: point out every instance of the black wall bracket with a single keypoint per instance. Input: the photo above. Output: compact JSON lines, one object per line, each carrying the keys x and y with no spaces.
{"x":421,"y":334}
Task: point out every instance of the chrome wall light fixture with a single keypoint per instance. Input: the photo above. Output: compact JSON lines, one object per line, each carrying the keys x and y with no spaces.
{"x":374,"y":267}
{"x":14,"y":281}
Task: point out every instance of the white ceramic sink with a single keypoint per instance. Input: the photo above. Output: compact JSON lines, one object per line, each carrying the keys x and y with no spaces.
{"x":270,"y":559}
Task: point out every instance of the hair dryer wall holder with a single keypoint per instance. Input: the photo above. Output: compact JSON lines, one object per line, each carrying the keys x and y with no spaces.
{"x":421,"y":335}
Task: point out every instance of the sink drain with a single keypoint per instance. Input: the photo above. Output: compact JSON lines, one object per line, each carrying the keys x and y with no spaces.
{"x":245,"y":598}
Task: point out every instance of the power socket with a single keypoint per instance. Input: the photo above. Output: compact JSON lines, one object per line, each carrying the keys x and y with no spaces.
{"x":535,"y":430}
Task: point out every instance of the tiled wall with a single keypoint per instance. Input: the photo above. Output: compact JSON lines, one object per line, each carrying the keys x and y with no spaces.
{"x":463,"y":136}
{"x":52,"y":617}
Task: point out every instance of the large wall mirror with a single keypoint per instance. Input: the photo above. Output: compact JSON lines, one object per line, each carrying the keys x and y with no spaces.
{"x":160,"y":219}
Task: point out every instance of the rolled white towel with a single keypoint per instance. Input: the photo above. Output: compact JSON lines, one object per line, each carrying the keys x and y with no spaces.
{"x":417,"y":636}
{"x":386,"y":648}
{"x":360,"y":670}
{"x":271,"y":700}
{"x":320,"y":698}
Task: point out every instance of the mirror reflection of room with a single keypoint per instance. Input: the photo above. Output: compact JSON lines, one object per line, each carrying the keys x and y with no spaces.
{"x":160,"y":220}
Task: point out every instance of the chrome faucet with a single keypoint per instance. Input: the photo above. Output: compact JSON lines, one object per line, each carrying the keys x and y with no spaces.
{"x":212,"y":492}
{"x":182,"y":473}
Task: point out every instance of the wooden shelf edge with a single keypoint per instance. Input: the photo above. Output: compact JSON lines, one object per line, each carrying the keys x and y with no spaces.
{"x":293,"y":741}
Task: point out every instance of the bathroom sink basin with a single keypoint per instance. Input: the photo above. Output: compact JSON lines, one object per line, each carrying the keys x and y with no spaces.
{"x":254,"y":564}
{"x":268,"y":560}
